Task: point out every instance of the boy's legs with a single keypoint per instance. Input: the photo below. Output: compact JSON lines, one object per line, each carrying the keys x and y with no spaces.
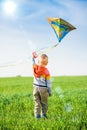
{"x":44,"y":100}
{"x":37,"y":100}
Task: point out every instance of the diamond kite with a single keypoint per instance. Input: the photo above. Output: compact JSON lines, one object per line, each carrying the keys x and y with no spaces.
{"x":61,"y":27}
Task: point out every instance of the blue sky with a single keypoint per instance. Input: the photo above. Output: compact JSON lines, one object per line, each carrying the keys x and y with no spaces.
{"x":28,"y":30}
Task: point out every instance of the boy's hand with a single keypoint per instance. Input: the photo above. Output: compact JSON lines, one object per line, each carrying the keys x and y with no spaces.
{"x":34,"y":54}
{"x":50,"y":94}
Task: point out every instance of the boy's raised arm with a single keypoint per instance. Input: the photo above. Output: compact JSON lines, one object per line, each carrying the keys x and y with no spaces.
{"x":34,"y":55}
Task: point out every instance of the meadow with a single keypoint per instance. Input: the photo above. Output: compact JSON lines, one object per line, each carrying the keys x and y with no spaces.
{"x":67,"y":108}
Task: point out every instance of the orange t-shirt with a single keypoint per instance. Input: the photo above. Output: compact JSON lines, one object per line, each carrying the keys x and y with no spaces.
{"x":40,"y":71}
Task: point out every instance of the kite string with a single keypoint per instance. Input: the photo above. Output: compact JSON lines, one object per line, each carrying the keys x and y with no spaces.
{"x":46,"y":49}
{"x":39,"y":52}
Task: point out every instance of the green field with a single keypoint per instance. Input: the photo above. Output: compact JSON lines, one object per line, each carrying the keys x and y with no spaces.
{"x":67,"y":107}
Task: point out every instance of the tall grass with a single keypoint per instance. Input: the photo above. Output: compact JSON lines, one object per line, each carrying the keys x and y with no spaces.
{"x":67,"y":108}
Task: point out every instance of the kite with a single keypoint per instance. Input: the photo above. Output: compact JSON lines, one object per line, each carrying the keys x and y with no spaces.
{"x":61,"y":27}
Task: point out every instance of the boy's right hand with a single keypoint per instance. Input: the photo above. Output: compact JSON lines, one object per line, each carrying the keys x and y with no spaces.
{"x":34,"y":54}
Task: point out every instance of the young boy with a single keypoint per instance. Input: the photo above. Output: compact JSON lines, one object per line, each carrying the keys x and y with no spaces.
{"x":42,"y":85}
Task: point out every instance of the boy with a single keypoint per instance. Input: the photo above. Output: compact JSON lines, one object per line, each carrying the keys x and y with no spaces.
{"x":42,"y":85}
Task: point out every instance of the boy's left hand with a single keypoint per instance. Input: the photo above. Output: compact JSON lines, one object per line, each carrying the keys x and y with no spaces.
{"x":50,"y":94}
{"x":34,"y":54}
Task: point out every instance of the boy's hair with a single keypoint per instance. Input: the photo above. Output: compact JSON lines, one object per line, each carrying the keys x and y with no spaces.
{"x":43,"y":59}
{"x":43,"y":56}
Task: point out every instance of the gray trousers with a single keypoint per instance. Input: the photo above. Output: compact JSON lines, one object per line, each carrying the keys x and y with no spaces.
{"x":41,"y":100}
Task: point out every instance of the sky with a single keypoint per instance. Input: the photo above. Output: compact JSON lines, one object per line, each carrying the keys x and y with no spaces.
{"x":24,"y":29}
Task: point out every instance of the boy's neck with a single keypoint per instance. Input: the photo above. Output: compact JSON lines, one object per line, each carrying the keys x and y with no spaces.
{"x":42,"y":65}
